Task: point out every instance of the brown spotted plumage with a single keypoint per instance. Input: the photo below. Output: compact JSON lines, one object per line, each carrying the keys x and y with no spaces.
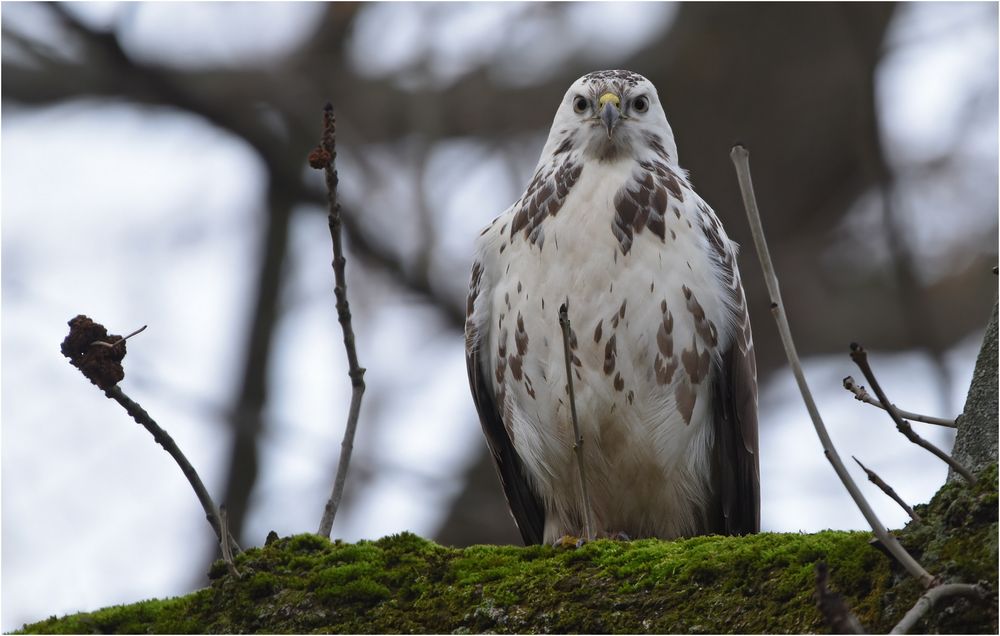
{"x":665,"y":382}
{"x":543,"y":198}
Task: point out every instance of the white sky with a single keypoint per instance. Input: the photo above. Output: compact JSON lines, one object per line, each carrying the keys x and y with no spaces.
{"x":161,"y":233}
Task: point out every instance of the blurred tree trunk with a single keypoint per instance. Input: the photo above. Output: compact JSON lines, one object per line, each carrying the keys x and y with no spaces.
{"x":247,"y":412}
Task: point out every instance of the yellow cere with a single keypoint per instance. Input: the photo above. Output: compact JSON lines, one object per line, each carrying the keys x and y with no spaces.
{"x":609,"y":97}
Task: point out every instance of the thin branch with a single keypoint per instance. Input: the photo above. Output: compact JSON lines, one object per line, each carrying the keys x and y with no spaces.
{"x":741,"y":160}
{"x":162,"y":438}
{"x":931,"y":597}
{"x":861,"y":395}
{"x":588,"y":514}
{"x":887,"y":489}
{"x":325,"y":156}
{"x":860,"y":357}
{"x":838,"y":616}
{"x":227,"y":553}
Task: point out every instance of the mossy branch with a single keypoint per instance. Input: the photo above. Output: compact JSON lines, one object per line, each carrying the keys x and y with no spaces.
{"x":762,"y":583}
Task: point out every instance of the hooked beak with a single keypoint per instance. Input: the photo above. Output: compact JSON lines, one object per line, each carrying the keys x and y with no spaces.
{"x":609,"y":106}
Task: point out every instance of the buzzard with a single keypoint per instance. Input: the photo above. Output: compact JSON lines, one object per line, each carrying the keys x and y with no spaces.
{"x":661,"y":351}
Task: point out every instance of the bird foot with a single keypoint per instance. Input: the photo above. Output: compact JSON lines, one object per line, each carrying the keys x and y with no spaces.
{"x":569,"y":541}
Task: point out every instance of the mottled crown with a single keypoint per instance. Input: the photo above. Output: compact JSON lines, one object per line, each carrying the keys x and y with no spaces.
{"x":627,"y":79}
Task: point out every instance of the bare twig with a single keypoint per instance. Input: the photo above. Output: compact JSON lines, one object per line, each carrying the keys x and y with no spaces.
{"x":931,"y":597}
{"x":109,"y":345}
{"x":328,"y":150}
{"x":227,"y":554}
{"x":860,"y":357}
{"x":741,"y":160}
{"x":838,"y":616}
{"x":588,"y":527}
{"x":887,"y":489}
{"x":861,"y":395}
{"x":162,"y":438}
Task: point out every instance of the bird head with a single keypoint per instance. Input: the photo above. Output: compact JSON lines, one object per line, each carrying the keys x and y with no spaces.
{"x":610,"y":115}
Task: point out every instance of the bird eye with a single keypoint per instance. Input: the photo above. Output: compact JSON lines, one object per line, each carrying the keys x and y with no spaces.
{"x":640,"y":104}
{"x":580,"y":104}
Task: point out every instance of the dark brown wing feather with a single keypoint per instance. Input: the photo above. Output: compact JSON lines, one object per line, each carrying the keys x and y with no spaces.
{"x":529,"y":514}
{"x":738,"y":468}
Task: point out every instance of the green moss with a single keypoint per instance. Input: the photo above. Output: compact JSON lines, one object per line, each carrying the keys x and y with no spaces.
{"x":958,"y":535}
{"x":262,"y":584}
{"x":144,"y":617}
{"x":402,"y":583}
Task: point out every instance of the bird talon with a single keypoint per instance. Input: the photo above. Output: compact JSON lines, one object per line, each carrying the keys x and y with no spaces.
{"x":569,"y":541}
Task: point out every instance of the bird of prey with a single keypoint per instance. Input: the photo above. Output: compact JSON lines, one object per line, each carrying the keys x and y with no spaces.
{"x":661,"y":352}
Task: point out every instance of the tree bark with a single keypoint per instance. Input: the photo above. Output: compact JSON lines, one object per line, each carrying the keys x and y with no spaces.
{"x":976,"y":439}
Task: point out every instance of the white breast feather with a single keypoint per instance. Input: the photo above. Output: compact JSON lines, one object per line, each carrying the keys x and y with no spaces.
{"x":642,"y":447}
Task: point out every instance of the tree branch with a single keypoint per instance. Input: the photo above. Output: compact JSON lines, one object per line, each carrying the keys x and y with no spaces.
{"x":568,"y":345}
{"x":227,"y":553}
{"x":861,"y":395}
{"x":931,"y":597}
{"x":887,"y":489}
{"x":328,"y":152}
{"x":102,"y":365}
{"x":838,"y":616}
{"x":163,"y":438}
{"x":860,"y":357}
{"x":741,"y":160}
